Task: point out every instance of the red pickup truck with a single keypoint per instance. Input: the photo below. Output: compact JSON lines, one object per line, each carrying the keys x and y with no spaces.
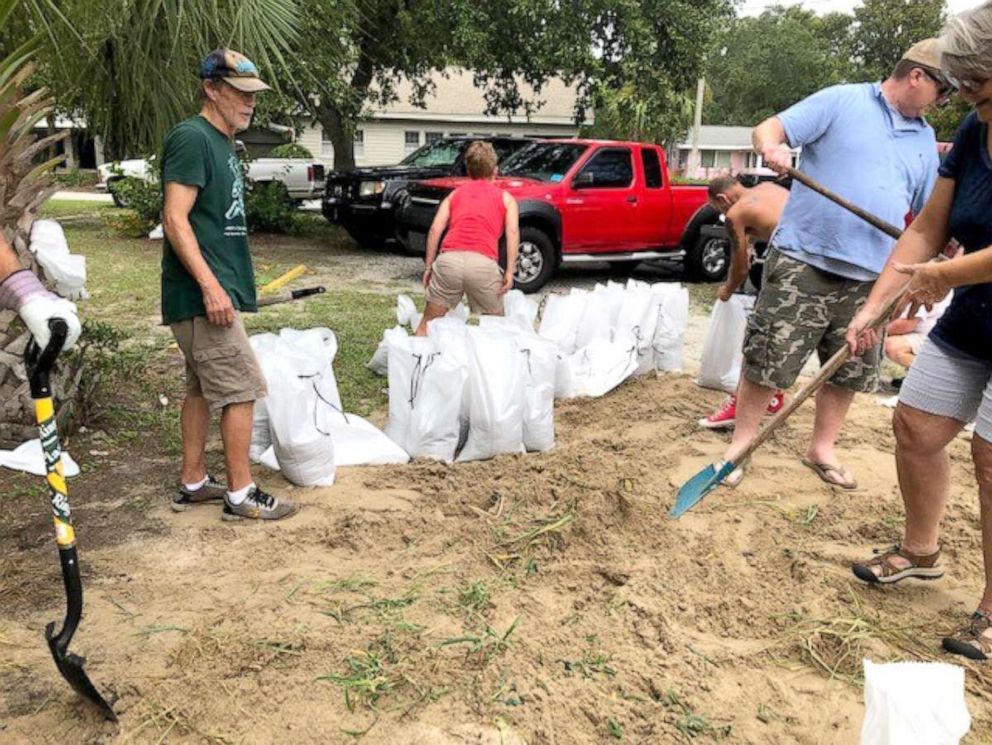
{"x":589,"y":201}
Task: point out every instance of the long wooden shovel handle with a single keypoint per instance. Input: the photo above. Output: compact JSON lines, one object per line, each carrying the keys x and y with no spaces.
{"x":888,"y":228}
{"x":828,"y":369}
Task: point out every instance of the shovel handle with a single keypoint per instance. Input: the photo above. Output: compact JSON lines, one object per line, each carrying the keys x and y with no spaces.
{"x":287,"y":297}
{"x":888,"y":228}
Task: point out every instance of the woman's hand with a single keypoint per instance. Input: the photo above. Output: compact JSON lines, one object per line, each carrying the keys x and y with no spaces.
{"x":927,"y":286}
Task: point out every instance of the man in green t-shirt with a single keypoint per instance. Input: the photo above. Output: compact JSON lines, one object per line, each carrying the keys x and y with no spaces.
{"x":207,"y":281}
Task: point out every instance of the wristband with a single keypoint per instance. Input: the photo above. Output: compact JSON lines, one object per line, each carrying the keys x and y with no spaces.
{"x":19,"y":287}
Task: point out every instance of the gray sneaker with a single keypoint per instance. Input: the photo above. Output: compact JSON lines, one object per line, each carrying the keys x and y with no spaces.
{"x":211,"y":492}
{"x":258,"y":505}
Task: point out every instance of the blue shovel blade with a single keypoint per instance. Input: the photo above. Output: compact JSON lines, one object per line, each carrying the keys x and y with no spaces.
{"x":699,"y":486}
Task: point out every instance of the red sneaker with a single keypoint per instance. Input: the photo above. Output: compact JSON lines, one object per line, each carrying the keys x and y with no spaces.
{"x":777,"y":402}
{"x":722,"y":418}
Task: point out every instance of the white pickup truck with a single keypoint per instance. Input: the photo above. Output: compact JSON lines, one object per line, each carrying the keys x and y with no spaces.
{"x":304,"y":179}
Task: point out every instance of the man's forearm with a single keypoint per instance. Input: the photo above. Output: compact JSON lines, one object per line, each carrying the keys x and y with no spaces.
{"x":187,"y":248}
{"x":738,"y":256}
{"x":767,"y":134}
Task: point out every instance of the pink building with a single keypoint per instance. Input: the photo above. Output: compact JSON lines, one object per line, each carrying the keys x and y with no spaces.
{"x":722,"y":150}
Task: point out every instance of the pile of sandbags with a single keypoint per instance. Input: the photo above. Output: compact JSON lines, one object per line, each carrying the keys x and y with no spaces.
{"x":406,"y":317}
{"x":301,"y":428}
{"x":614,"y":332}
{"x":473,"y":392}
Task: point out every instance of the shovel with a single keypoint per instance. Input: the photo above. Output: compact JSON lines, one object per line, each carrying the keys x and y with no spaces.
{"x":287,"y":297}
{"x":40,"y":364}
{"x":709,"y":478}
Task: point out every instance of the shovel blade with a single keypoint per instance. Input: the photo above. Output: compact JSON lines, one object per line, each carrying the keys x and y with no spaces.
{"x":71,"y":667}
{"x":699,"y":486}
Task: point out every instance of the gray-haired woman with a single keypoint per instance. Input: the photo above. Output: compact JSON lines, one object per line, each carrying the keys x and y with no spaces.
{"x":950,"y":383}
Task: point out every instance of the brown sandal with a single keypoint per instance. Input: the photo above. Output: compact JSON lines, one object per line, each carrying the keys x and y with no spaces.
{"x":971,"y":641}
{"x":920,"y":567}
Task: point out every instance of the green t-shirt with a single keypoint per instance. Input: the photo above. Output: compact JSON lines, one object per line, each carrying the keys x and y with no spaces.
{"x":197,"y":154}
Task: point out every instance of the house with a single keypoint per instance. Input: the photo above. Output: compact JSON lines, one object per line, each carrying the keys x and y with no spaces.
{"x":722,"y":150}
{"x":457,"y":107}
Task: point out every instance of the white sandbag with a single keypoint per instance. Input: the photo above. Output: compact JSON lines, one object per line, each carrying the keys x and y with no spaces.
{"x":450,"y":336}
{"x":636,"y":322}
{"x":30,"y":458}
{"x":405,"y":309}
{"x":614,"y":292}
{"x":560,"y":321}
{"x":720,"y":363}
{"x":670,"y":325}
{"x":540,"y":365}
{"x":358,"y":442}
{"x":496,"y":381}
{"x":595,"y":370}
{"x":425,"y":394}
{"x":594,"y":323}
{"x":379,"y":364}
{"x":264,"y":346}
{"x":67,"y":271}
{"x":459,"y":312}
{"x":304,"y":450}
{"x":314,"y":350}
{"x":521,"y":308}
{"x":914,"y":703}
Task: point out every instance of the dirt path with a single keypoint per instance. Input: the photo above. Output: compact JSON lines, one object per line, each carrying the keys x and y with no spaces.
{"x":538,"y":599}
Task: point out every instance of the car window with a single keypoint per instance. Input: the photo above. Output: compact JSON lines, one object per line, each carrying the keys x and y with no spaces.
{"x":544,"y":161}
{"x":439,"y":153}
{"x":611,"y":168}
{"x":505,"y":148}
{"x":652,"y":168}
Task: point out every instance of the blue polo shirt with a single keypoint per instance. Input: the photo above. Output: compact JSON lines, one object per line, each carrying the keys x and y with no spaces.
{"x":858,"y":146}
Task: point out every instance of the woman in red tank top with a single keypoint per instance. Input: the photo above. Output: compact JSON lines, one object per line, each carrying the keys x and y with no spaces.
{"x":475,"y":215}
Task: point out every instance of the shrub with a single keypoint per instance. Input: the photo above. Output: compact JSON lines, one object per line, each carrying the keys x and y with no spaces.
{"x":76,"y":178}
{"x":291,"y":150}
{"x":126,"y":223}
{"x":144,"y":198}
{"x":268,"y":207}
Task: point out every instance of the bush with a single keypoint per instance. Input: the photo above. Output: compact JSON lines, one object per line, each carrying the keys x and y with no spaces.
{"x":126,"y":223}
{"x":291,"y":150}
{"x":268,"y":208}
{"x":144,"y":198}
{"x":76,"y":178}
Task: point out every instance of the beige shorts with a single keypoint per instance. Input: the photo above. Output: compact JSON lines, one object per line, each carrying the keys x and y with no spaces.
{"x":457,"y":273}
{"x":220,"y":363}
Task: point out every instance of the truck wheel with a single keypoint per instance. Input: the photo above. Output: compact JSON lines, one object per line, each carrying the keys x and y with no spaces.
{"x":536,"y":260}
{"x":365,"y":240}
{"x":708,"y":259}
{"x":118,"y":200}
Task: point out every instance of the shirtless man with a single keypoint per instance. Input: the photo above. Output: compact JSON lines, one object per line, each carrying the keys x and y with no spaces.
{"x":751,"y":215}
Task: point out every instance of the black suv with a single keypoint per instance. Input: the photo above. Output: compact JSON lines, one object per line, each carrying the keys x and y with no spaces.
{"x":360,"y":200}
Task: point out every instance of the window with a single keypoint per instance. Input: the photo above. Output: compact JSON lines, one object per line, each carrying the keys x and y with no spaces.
{"x":411,"y":141}
{"x":752,"y":160}
{"x":430,"y":137}
{"x":359,"y":143}
{"x":543,"y":161}
{"x":714,"y":158}
{"x":437,"y":153}
{"x":652,"y":168}
{"x":506,"y":148}
{"x":610,"y":169}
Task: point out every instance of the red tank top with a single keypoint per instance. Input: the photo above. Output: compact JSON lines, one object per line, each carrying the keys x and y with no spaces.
{"x":477,"y":219}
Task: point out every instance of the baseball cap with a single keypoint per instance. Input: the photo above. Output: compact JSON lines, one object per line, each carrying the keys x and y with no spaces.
{"x":233,"y":68}
{"x":926,"y":53}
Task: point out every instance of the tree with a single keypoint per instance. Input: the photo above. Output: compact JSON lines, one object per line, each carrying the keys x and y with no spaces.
{"x":762,"y":65}
{"x":651,"y":49}
{"x":132,"y":74}
{"x":885,"y":29}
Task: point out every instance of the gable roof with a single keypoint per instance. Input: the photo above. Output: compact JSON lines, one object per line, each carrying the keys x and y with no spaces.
{"x":717,"y":137}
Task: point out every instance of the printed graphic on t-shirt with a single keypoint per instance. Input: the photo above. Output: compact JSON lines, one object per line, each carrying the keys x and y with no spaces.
{"x":237,"y":208}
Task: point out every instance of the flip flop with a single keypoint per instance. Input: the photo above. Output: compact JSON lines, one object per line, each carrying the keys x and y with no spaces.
{"x":823,"y":470}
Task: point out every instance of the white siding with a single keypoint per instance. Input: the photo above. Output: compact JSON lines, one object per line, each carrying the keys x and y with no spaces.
{"x":384,"y":139}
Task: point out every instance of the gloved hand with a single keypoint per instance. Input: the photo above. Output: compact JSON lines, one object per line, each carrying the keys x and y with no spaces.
{"x":21,"y":291}
{"x":39,"y":309}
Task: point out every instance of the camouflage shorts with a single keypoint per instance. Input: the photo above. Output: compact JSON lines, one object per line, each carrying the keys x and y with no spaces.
{"x":801,"y":308}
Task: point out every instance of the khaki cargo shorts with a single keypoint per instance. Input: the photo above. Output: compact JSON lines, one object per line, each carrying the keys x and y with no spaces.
{"x":220,"y":363}
{"x":457,"y":273}
{"x":799,"y":309}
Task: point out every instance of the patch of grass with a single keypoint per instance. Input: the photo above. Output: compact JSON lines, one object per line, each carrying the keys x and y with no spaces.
{"x":691,"y":724}
{"x":474,"y":597}
{"x":701,"y":297}
{"x":484,"y":647}
{"x":56,"y":209}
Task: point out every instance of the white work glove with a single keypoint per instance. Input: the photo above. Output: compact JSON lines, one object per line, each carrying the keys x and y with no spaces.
{"x":39,"y":309}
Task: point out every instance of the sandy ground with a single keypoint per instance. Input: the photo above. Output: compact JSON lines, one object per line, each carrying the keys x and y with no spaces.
{"x":544,"y":598}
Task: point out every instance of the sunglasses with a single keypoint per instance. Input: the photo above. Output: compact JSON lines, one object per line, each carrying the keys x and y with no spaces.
{"x":944,"y":85}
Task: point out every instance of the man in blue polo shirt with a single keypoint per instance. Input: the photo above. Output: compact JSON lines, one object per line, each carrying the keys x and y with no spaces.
{"x":869,"y":143}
